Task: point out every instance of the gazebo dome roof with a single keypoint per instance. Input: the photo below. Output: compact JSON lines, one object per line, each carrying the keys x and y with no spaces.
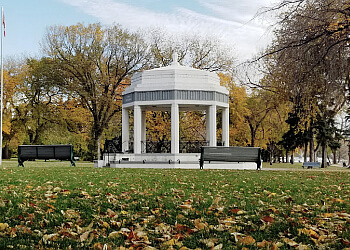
{"x":175,"y":77}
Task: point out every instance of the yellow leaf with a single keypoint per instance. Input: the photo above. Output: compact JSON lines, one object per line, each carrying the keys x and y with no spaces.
{"x":186,"y":206}
{"x":328,"y":215}
{"x":308,"y":232}
{"x":3,"y":226}
{"x":240,"y":212}
{"x":290,"y":242}
{"x":199,"y":225}
{"x":114,"y":235}
{"x":171,"y":242}
{"x":65,"y":192}
{"x":248,"y":240}
{"x":105,"y":224}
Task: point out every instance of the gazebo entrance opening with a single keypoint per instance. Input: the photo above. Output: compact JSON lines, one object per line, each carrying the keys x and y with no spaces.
{"x":192,"y":132}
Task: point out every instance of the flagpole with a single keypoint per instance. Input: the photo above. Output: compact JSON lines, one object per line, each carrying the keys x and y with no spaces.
{"x":2,"y":80}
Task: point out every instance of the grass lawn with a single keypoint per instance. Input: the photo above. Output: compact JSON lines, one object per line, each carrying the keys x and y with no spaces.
{"x":54,"y":206}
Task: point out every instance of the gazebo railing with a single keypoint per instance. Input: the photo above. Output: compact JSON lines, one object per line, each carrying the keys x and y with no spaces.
{"x":115,"y":146}
{"x":112,"y":146}
{"x":157,"y":146}
{"x":192,"y":146}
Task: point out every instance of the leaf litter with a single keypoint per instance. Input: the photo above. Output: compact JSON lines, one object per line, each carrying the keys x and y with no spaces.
{"x":173,"y":209}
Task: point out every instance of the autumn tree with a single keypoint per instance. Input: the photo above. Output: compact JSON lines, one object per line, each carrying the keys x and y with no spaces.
{"x":39,"y":99}
{"x":13,"y":71}
{"x":93,"y":61}
{"x":239,"y":130}
{"x":310,"y":59}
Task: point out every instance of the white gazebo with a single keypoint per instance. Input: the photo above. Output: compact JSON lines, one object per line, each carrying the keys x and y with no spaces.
{"x":173,"y":88}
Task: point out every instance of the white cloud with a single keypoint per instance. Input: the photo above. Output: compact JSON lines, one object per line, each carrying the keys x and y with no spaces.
{"x":225,"y":19}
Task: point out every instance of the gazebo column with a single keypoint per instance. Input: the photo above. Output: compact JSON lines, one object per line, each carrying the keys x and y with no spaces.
{"x":125,"y":130}
{"x":137,"y":129}
{"x":143,"y":132}
{"x":175,"y":128}
{"x":211,"y":121}
{"x":225,"y":127}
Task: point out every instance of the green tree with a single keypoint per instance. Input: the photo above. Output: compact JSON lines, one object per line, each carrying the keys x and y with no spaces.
{"x":93,"y":62}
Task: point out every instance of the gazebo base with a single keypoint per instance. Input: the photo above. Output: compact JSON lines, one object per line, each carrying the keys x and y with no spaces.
{"x":191,"y":163}
{"x":112,"y":159}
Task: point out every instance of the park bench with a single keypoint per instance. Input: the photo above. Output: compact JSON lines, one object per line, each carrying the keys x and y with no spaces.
{"x":45,"y":152}
{"x":230,"y":154}
{"x":311,"y":164}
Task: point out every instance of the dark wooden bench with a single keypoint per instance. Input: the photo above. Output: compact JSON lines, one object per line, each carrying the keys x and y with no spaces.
{"x":311,"y":164}
{"x":45,"y":152}
{"x":230,"y":154}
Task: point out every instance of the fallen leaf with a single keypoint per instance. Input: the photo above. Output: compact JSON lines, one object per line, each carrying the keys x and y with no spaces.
{"x":200,"y":225}
{"x":308,"y":232}
{"x":84,"y":236}
{"x":3,"y":226}
{"x":209,"y":242}
{"x":345,"y":242}
{"x":268,"y":219}
{"x":114,"y":235}
{"x":290,"y":242}
{"x":49,"y":237}
{"x":111,"y":213}
{"x":263,"y":244}
{"x":218,"y":247}
{"x":186,"y":206}
{"x":248,"y":240}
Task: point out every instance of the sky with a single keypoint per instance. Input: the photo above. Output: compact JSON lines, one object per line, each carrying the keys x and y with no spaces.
{"x":227,"y":20}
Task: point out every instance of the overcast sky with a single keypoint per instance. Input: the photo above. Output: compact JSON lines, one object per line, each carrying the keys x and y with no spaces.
{"x":228,"y":20}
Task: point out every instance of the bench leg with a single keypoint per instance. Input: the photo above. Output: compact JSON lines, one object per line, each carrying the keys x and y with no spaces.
{"x":258,"y":165}
{"x":20,"y":164}
{"x":201,"y":163}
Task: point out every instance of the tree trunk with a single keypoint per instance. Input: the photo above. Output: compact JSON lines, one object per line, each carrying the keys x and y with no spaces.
{"x":311,"y":150}
{"x":287,"y":156}
{"x":6,"y":152}
{"x":99,"y":156}
{"x":335,"y":156}
{"x":324,"y":160}
{"x":252,"y":139}
{"x":292,"y":157}
{"x":305,"y":153}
